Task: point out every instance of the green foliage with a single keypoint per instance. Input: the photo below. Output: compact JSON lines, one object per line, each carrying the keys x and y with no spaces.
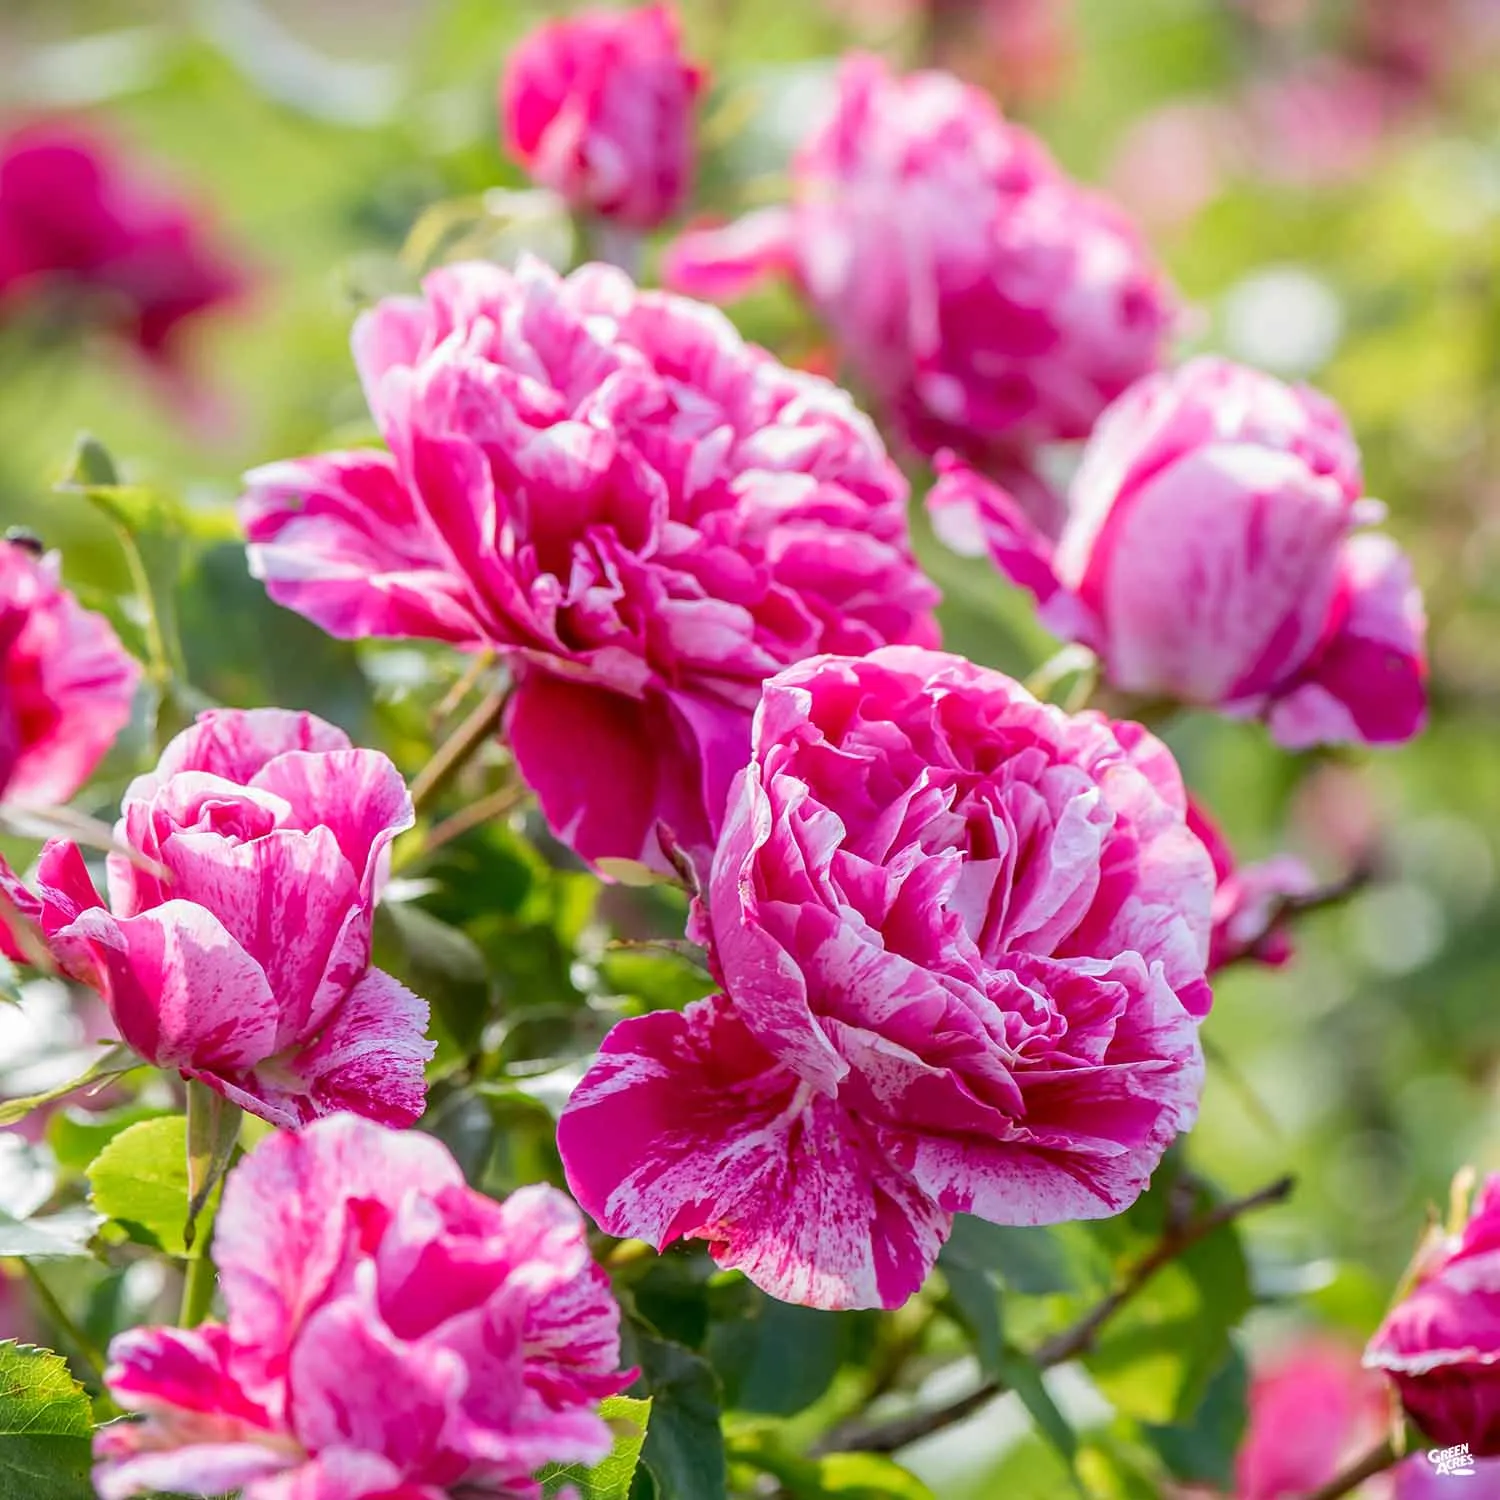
{"x":684,"y":1448}
{"x":46,"y":1427}
{"x":1201,"y":1450}
{"x":613,"y":1477}
{"x":140,"y":1181}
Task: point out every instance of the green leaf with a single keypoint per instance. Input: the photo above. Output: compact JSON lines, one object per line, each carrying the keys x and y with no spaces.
{"x":27,"y":1181}
{"x":976,"y":1298}
{"x":60,"y":1236}
{"x":684,"y":1447}
{"x":611,"y":1479}
{"x":838,"y":1476}
{"x":795,"y":1355}
{"x":1157,"y":1355}
{"x":1035,"y":1261}
{"x":868,"y":1476}
{"x":46,"y":1427}
{"x":659,"y":978}
{"x":1019,"y":1371}
{"x":117,"y":1060}
{"x":78,"y":1136}
{"x":441,"y":963}
{"x":1202,"y":1450}
{"x":140,"y":1179}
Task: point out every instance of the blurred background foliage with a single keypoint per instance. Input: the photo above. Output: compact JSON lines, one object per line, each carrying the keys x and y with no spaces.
{"x":315,"y":133}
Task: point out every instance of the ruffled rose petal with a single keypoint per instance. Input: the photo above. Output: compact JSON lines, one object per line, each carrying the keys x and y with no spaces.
{"x":196,"y":1468}
{"x":66,"y":684}
{"x":1368,"y":683}
{"x":278,"y":1238}
{"x":687,"y":1127}
{"x":369,"y":1058}
{"x":182,"y":991}
{"x":336,"y":538}
{"x":723,"y":264}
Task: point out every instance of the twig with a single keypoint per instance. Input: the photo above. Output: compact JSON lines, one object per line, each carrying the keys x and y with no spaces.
{"x":470,"y":679}
{"x":1377,"y":1461}
{"x":449,"y":758}
{"x":485,"y":810}
{"x":1335,"y":893}
{"x":890,"y":1436}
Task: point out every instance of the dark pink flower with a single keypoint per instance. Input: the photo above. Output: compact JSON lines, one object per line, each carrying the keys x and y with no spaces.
{"x":599,"y":107}
{"x":1248,"y":899}
{"x":989,"y":303}
{"x":1313,"y":1411}
{"x":646,"y":515}
{"x":391,"y":1335}
{"x":1210,"y":556}
{"x":66,"y":684}
{"x":238,"y":951}
{"x":1441,"y":1343}
{"x":961,"y":938}
{"x":80,"y":231}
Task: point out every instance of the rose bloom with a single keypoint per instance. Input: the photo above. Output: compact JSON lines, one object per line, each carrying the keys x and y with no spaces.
{"x":599,"y":107}
{"x":390,"y":1334}
{"x":1210,"y":556}
{"x":644,"y":514}
{"x":66,"y":684}
{"x":83,"y":235}
{"x":1440,"y":1344}
{"x":1248,"y":899}
{"x":1313,"y":1412}
{"x":961,"y":937}
{"x":988,"y":303}
{"x":237,"y":951}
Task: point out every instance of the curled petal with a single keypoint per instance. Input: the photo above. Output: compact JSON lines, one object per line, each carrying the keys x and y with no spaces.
{"x":721,"y":265}
{"x":182,"y":991}
{"x":1368,"y":682}
{"x":687,"y":1127}
{"x":338,"y":539}
{"x":369,"y":1059}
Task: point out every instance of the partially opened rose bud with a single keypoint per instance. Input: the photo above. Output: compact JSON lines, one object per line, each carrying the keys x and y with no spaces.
{"x":235,"y":948}
{"x":1440,"y":1344}
{"x":65,"y":683}
{"x":1313,"y":1411}
{"x":599,"y":108}
{"x":1211,"y":556}
{"x":987,"y":301}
